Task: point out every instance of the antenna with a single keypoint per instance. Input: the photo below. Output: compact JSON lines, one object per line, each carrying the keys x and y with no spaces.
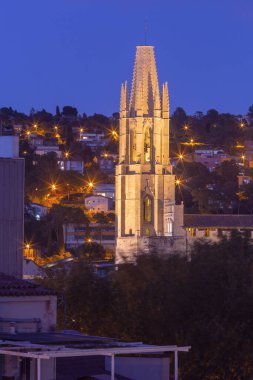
{"x":145,"y":31}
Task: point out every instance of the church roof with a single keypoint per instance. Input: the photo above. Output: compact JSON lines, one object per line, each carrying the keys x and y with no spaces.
{"x":218,"y":221}
{"x":145,"y":94}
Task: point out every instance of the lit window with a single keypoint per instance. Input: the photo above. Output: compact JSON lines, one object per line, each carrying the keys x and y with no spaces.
{"x":134,"y":145}
{"x":207,"y":232}
{"x":147,"y":146}
{"x":192,"y":232}
{"x":170,"y":227}
{"x":147,"y":209}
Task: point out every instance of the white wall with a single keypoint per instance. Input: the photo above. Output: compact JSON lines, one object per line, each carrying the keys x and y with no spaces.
{"x":140,"y":368}
{"x":28,"y":307}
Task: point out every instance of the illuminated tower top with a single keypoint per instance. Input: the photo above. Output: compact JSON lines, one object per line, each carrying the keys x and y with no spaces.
{"x":145,"y":88}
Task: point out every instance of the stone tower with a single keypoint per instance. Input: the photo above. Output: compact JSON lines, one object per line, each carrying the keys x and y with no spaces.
{"x":147,"y":218}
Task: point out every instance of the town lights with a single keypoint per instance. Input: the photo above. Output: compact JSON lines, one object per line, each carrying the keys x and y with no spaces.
{"x":90,"y":185}
{"x":178,"y":182}
{"x":181,"y":156}
{"x":114,"y":134}
{"x":66,"y":154}
{"x":53,"y":187}
{"x":185,"y":127}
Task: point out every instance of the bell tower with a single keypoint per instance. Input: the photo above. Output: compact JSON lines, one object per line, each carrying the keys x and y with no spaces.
{"x":147,"y":217}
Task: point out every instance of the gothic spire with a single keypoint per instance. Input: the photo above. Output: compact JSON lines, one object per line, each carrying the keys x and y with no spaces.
{"x":165,"y":101}
{"x":123,"y":97}
{"x":145,"y":82}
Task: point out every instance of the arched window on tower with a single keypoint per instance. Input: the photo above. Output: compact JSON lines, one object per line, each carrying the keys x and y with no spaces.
{"x":133,"y":145}
{"x":147,"y":145}
{"x":147,"y":209}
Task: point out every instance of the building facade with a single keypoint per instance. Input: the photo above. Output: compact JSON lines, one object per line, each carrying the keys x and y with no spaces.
{"x":11,"y":207}
{"x":147,"y":217}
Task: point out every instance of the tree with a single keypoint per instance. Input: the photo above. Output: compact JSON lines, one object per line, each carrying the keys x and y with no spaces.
{"x":205,"y":302}
{"x":91,"y":250}
{"x":58,"y":216}
{"x":69,"y":111}
{"x":250,"y":113}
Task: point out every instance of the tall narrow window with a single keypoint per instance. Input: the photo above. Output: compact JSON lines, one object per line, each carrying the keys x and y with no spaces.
{"x":147,"y":145}
{"x":147,"y":209}
{"x":170,"y":227}
{"x":133,"y":147}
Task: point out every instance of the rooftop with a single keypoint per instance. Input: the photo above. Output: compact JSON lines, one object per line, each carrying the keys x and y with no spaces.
{"x":68,"y":346}
{"x":218,"y":221}
{"x":14,"y":287}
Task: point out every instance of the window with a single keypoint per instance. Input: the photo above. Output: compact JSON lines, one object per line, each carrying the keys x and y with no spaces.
{"x":147,"y":146}
{"x":170,"y":227}
{"x":192,"y":232}
{"x":207,"y":232}
{"x":147,"y":209}
{"x":133,"y":143}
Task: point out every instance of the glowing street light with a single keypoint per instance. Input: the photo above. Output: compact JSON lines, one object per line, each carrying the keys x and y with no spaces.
{"x":53,"y":186}
{"x":178,"y":182}
{"x":66,"y":154}
{"x":114,"y":134}
{"x":91,"y":185}
{"x":89,"y":240}
{"x":186,"y":127}
{"x":181,"y":156}
{"x":242,"y":125}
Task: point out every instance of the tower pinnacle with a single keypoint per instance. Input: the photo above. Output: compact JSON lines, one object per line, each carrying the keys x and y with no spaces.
{"x":146,"y":74}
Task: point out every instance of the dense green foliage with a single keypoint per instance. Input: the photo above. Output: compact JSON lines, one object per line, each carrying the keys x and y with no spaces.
{"x":205,"y":302}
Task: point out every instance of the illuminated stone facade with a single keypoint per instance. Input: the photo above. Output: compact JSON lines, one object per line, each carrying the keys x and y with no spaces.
{"x":147,"y":218}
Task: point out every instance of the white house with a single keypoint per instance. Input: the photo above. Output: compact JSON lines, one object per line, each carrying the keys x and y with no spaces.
{"x":73,"y":163}
{"x":26,"y":308}
{"x":98,"y":203}
{"x":105,"y":189}
{"x":41,"y":150}
{"x":93,"y":140}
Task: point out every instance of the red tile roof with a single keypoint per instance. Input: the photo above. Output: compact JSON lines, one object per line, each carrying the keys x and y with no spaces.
{"x":14,"y":287}
{"x":218,"y":221}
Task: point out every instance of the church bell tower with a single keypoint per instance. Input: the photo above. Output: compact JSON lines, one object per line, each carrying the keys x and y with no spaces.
{"x":147,"y":217}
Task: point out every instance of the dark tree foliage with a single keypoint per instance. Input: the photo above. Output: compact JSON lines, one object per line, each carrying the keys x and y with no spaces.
{"x":205,"y":302}
{"x":69,"y":111}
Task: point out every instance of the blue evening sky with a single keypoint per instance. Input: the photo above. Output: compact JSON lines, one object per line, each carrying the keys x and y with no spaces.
{"x":77,"y":52}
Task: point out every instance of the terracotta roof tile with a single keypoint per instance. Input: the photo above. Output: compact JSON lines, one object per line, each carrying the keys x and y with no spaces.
{"x":14,"y":287}
{"x":218,"y":221}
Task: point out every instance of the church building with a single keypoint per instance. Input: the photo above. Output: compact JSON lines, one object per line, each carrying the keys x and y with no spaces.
{"x":148,"y":220}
